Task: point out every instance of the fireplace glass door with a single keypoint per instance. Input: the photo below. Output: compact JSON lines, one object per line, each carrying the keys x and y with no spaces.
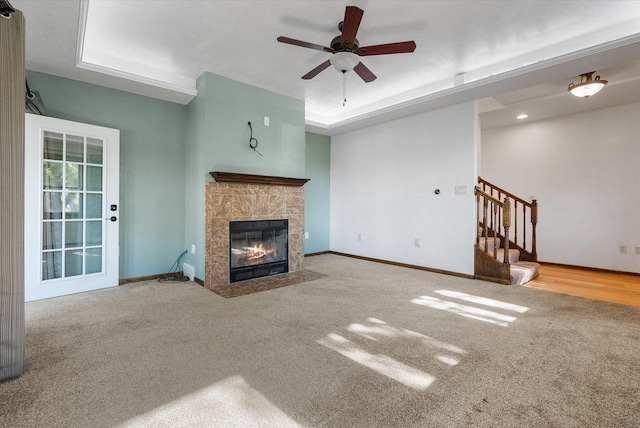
{"x":257,"y":248}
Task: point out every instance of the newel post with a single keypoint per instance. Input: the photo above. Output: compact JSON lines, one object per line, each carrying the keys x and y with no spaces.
{"x":506,"y":222}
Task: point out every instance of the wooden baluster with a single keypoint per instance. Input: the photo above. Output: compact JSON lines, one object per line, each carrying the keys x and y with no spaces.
{"x":515,"y":221}
{"x":499,"y":224}
{"x":495,"y":235}
{"x":534,"y":222}
{"x":491,"y":226}
{"x":477,"y":218}
{"x":484,"y":216}
{"x":524,"y":217}
{"x":506,"y":207}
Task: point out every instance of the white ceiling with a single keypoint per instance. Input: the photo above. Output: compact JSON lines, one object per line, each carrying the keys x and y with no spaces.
{"x":466,"y":49}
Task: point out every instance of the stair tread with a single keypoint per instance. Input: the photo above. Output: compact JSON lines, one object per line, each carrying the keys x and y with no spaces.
{"x":514,"y":255}
{"x":491,"y":242}
{"x":522,"y":272}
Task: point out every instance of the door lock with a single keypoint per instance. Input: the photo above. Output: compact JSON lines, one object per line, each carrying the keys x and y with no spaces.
{"x":114,"y":207}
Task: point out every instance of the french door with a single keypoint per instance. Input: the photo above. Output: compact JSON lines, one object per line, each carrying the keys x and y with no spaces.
{"x":71,"y":207}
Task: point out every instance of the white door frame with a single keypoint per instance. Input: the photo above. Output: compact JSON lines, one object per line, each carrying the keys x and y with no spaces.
{"x":35,"y":287}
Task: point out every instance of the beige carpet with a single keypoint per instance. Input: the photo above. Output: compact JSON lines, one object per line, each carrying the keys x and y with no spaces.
{"x":369,"y":345}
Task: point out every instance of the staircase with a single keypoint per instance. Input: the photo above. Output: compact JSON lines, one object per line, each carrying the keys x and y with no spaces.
{"x":505,"y":248}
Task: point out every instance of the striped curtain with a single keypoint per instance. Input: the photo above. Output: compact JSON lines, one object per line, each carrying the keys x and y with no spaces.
{"x":12,"y":92}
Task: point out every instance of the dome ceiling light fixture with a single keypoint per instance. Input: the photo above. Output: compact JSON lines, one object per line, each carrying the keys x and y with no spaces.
{"x":588,"y":86}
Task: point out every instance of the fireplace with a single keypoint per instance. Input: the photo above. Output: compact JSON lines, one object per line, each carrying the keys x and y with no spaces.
{"x":258,"y":248}
{"x":242,"y":197}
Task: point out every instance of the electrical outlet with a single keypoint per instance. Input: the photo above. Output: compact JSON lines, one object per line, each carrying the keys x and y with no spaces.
{"x":266,"y":121}
{"x":623,"y":249}
{"x":306,"y":235}
{"x":193,"y":248}
{"x":417,"y":242}
{"x":460,"y":190}
{"x":359,"y":237}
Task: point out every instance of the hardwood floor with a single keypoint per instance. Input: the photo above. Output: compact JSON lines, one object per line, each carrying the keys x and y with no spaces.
{"x":610,"y":287}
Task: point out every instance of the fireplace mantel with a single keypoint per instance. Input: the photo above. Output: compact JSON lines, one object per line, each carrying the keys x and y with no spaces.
{"x":232,"y":177}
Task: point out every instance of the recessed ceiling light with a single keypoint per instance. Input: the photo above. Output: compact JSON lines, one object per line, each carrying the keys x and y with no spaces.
{"x":522,"y":116}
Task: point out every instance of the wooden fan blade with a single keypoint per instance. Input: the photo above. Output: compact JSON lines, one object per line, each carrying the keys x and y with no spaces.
{"x":366,"y":74}
{"x":388,"y":48}
{"x":295,"y":42}
{"x":350,"y":25}
{"x":313,"y":73}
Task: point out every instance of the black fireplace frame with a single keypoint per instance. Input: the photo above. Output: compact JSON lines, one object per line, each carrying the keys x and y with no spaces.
{"x":266,"y":269}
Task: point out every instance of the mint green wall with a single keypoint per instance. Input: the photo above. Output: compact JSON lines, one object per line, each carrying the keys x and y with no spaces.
{"x":316,"y":192}
{"x":217,"y":139}
{"x":152,"y":168}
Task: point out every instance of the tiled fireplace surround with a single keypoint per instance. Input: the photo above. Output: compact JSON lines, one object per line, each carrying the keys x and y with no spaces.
{"x":235,"y":201}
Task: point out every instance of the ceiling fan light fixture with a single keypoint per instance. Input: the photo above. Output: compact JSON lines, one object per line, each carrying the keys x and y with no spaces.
{"x":588,"y":86}
{"x":344,"y":61}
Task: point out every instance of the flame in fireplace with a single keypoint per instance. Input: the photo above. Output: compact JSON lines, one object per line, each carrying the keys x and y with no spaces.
{"x":255,"y":255}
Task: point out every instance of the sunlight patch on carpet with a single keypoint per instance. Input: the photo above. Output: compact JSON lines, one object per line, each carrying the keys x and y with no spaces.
{"x":448,"y":360}
{"x":382,"y":329}
{"x":483,"y":301}
{"x":465,"y":311}
{"x":232,"y":400}
{"x":387,"y":366}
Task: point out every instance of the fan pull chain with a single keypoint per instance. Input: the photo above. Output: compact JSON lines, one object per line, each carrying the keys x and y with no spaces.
{"x":344,"y":88}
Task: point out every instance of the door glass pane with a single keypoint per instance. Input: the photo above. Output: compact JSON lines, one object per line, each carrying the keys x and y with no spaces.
{"x":75,"y":148}
{"x":94,"y":205}
{"x":52,"y":175}
{"x":94,"y":151}
{"x":73,"y":262}
{"x":52,"y":265}
{"x":74,"y":176}
{"x":73,"y":234}
{"x":52,"y":235}
{"x":73,"y":205}
{"x":72,"y":192}
{"x":94,"y":233}
{"x":94,"y":260}
{"x":52,"y":146}
{"x":52,"y":205}
{"x":94,"y":178}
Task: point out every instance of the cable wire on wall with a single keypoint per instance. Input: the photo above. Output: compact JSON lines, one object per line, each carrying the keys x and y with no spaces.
{"x":253,"y":142}
{"x":174,"y":274}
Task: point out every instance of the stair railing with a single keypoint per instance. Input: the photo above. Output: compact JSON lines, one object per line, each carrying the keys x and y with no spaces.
{"x":490,"y":213}
{"x":525,"y":220}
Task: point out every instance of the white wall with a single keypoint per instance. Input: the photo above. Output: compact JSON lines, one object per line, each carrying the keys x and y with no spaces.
{"x":382,"y":187}
{"x":584,"y":169}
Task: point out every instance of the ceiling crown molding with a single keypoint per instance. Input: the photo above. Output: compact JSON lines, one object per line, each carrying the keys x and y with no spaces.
{"x":186,"y":93}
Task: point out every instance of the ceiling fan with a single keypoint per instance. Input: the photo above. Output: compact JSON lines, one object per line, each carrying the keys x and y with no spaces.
{"x":346,"y":49}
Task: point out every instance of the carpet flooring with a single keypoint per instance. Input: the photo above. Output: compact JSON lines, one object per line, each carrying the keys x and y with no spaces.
{"x":367,"y":345}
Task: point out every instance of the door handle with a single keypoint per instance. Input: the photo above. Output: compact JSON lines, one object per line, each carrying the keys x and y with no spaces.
{"x":113,"y":218}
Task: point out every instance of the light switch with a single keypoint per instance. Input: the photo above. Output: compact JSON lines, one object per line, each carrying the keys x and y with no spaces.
{"x":266,"y":121}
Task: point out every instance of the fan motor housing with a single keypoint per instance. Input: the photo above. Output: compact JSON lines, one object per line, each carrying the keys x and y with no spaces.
{"x":337,"y":46}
